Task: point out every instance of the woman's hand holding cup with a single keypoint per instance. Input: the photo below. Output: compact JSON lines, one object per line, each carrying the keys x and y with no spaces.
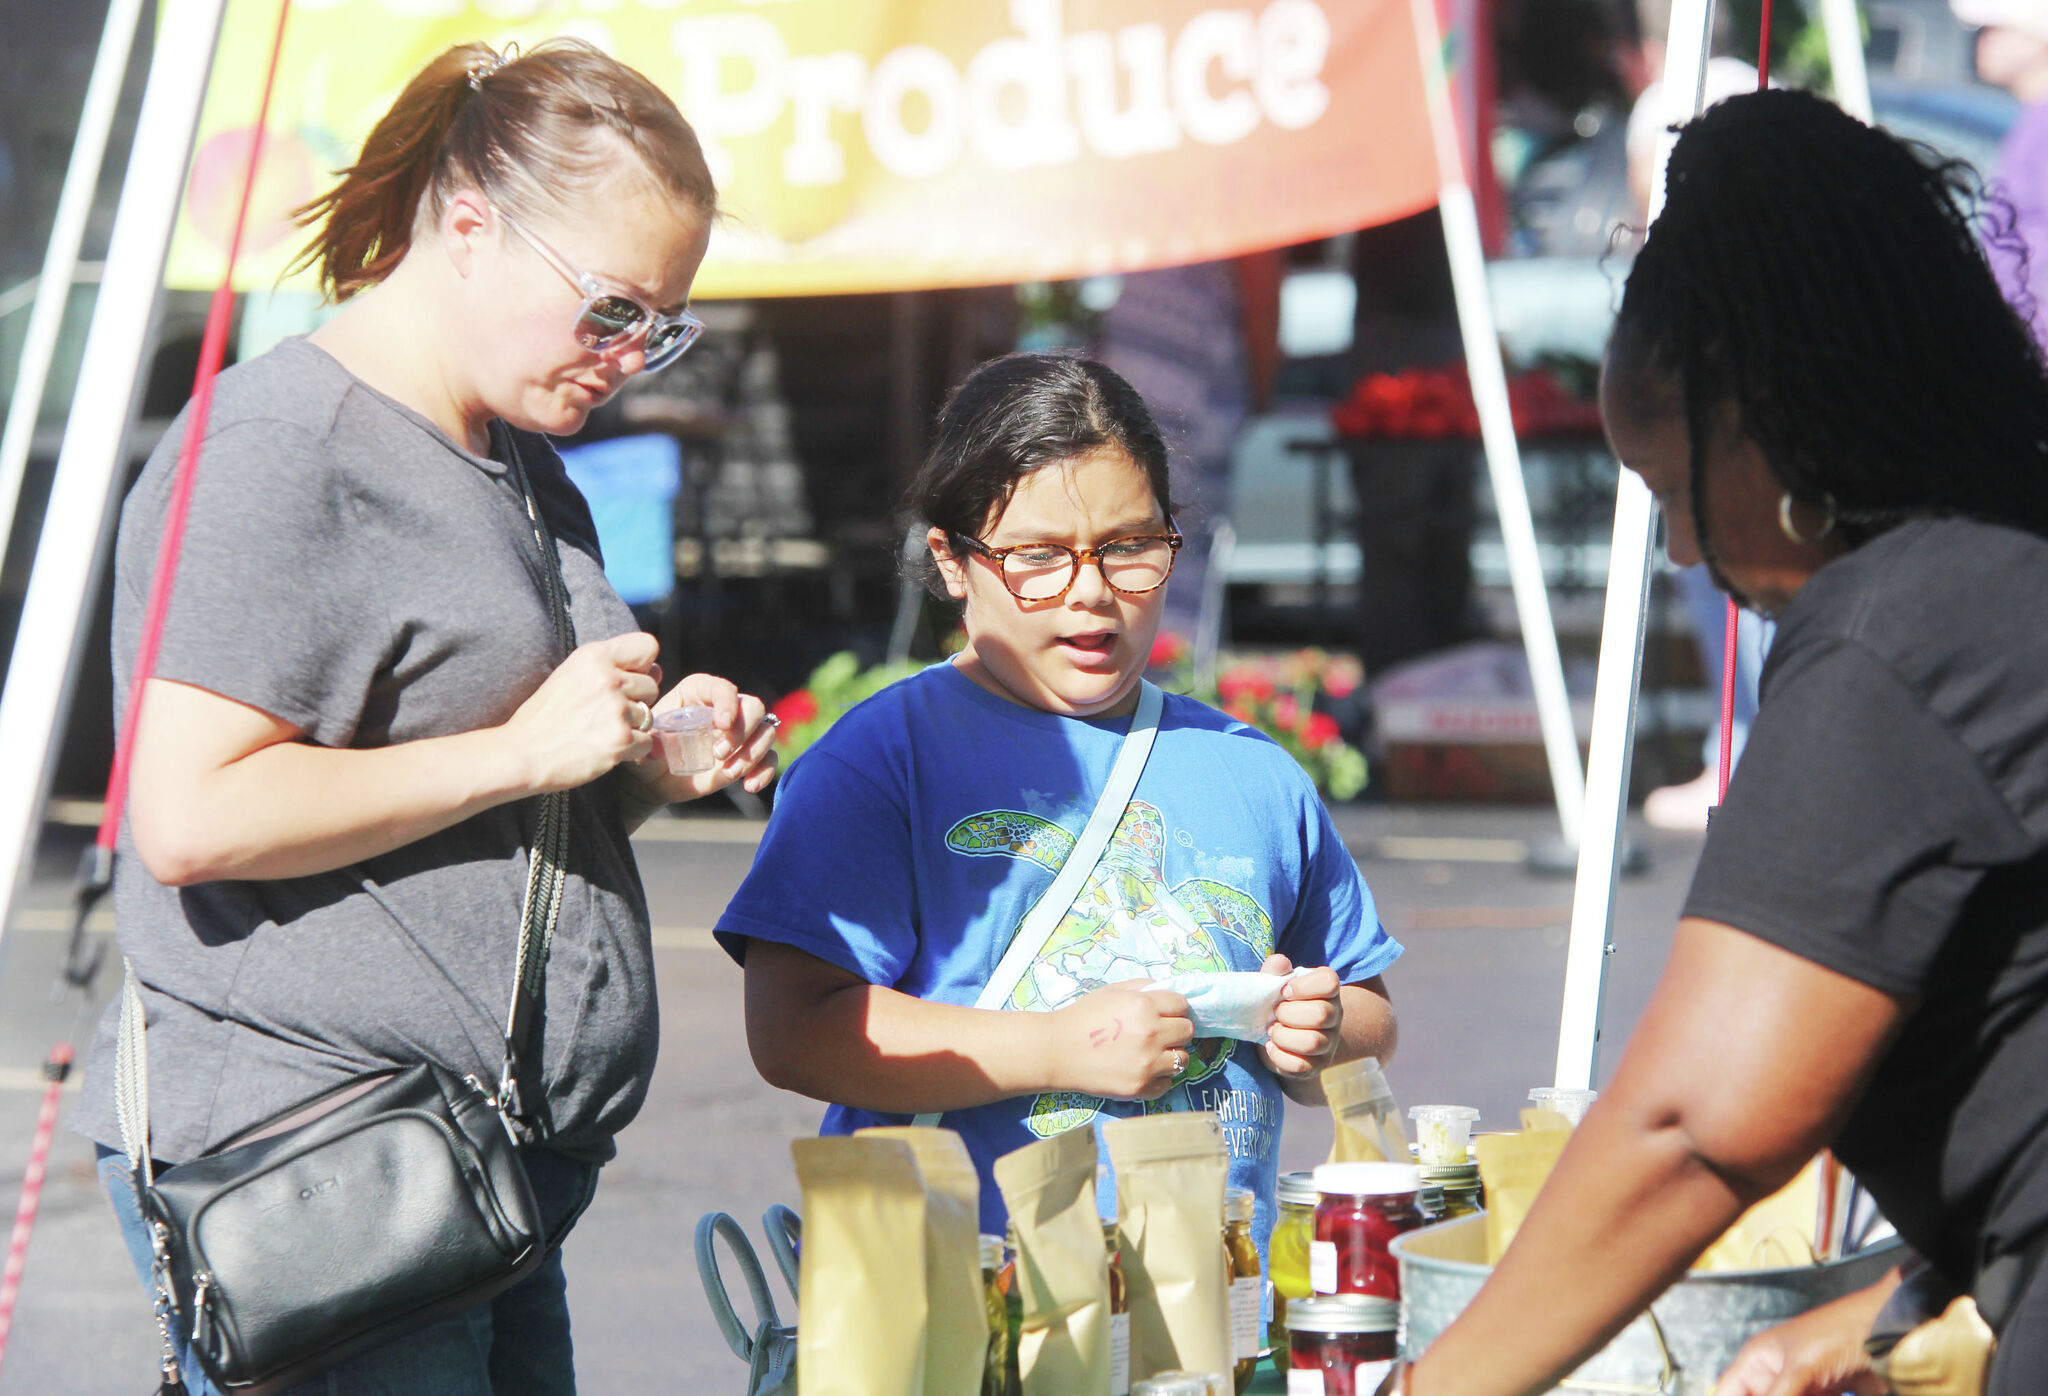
{"x":742,"y":745}
{"x":592,"y":713}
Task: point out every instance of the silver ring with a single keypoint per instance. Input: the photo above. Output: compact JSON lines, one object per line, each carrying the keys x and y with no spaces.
{"x":1181,"y":1060}
{"x":643,"y":719}
{"x":771,"y":722}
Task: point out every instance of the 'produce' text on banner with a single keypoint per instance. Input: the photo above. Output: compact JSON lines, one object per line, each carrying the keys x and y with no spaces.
{"x":868,"y":145}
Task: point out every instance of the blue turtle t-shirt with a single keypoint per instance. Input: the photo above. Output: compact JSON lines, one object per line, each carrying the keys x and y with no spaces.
{"x":910,"y":842}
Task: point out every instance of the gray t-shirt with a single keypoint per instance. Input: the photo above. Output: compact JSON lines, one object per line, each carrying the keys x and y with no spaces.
{"x":351,"y":570}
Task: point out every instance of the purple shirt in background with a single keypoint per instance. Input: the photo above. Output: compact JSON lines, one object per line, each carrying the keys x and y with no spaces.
{"x":2023,"y":182}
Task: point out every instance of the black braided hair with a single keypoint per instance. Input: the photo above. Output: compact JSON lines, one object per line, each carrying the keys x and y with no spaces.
{"x":1828,"y":280}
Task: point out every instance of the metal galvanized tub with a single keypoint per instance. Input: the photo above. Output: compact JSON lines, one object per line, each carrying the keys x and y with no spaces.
{"x":1678,"y":1348}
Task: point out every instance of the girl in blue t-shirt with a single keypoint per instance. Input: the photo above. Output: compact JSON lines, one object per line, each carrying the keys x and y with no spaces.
{"x":909,"y":844}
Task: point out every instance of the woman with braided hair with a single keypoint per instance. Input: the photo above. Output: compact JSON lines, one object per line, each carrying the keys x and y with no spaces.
{"x":1815,"y":374}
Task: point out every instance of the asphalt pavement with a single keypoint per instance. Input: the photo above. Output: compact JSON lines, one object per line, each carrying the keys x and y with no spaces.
{"x":1478,"y":996}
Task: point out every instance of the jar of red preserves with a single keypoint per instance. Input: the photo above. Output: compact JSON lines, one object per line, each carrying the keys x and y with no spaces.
{"x":1341,"y":1345}
{"x":1364,"y":1207}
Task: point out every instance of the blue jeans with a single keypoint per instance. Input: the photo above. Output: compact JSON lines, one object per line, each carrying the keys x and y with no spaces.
{"x":516,"y":1345}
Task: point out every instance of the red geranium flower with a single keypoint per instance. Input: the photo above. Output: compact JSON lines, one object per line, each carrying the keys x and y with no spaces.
{"x":1319,"y":731}
{"x":1167,"y":649}
{"x":1244,"y":684}
{"x":796,"y":708}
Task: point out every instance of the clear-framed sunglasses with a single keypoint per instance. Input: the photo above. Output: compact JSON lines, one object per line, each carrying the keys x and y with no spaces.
{"x":1131,"y":566}
{"x":611,"y":315}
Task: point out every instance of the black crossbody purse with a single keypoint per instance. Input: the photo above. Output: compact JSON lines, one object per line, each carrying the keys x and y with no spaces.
{"x":373,"y":1209}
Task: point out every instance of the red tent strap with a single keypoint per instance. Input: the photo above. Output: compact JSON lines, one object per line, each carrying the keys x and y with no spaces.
{"x":1728,"y":643}
{"x":95,"y":872}
{"x":212,"y":351}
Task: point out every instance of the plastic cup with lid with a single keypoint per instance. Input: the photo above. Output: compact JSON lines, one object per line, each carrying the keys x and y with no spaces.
{"x":1443,"y":1133}
{"x":687,"y":735}
{"x":1565,"y":1100}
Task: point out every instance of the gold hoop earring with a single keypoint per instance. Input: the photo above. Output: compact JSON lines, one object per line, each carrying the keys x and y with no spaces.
{"x":1791,"y":530}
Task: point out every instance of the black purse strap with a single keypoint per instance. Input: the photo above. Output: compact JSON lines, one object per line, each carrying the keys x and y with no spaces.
{"x":547,"y":869}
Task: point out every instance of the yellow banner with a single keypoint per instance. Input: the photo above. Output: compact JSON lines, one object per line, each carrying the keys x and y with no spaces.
{"x":866,"y":145}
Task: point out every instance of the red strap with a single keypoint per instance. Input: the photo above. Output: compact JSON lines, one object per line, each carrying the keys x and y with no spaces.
{"x":1763,"y":81}
{"x":1727,"y":700}
{"x":1763,"y":50}
{"x":212,"y":350}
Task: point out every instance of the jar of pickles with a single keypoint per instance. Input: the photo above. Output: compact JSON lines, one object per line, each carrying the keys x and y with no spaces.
{"x":1287,"y":1256}
{"x":1247,"y":1286}
{"x":1119,"y":1315}
{"x":1342,"y":1345}
{"x":1363,"y":1207}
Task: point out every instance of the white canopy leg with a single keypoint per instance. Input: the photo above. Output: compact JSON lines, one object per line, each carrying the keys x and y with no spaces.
{"x":1844,"y":29}
{"x":77,"y":526}
{"x":1621,"y":650}
{"x":60,"y":260}
{"x":1497,"y":432}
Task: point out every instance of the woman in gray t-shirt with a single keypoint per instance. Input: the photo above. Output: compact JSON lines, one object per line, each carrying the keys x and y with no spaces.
{"x":361,"y":691}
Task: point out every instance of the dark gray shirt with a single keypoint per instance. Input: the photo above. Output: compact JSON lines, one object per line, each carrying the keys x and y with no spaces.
{"x":351,"y":570}
{"x":1890,"y":822}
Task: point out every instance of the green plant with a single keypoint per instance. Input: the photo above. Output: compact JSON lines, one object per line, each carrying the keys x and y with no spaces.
{"x":835,"y":686}
{"x":1278,"y":694}
{"x":1287,"y":697}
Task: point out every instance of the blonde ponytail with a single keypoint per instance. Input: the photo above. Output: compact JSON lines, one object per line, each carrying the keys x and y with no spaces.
{"x":534,"y":131}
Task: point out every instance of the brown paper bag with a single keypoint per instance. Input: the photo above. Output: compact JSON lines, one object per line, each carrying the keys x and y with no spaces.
{"x":1062,"y":1265}
{"x":956,"y":1337}
{"x":1774,"y":1233}
{"x":1368,"y":1120}
{"x":862,"y":1307}
{"x":1171,"y":1171}
{"x":1514,"y":1168}
{"x":1946,"y":1356}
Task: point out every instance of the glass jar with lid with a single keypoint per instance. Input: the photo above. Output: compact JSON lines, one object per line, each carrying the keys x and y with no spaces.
{"x":1000,"y":1357}
{"x":1341,"y":1345}
{"x":1363,"y":1207}
{"x":1247,"y":1286}
{"x":1462,"y":1195}
{"x":1287,"y":1255}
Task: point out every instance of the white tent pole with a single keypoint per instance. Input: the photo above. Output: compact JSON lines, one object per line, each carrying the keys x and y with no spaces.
{"x":60,"y":260}
{"x":1497,"y":430}
{"x":1844,"y":30}
{"x":90,"y":465}
{"x":1621,"y":647}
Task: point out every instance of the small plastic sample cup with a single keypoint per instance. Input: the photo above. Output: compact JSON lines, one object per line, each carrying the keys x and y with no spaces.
{"x":1443,"y":1133}
{"x":1570,"y":1103}
{"x":686,"y":736}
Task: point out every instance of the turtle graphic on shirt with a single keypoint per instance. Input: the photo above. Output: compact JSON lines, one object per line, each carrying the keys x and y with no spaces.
{"x":1124,"y":924}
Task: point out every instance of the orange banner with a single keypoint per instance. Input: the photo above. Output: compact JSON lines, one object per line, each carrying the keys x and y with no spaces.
{"x":867,"y":145}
